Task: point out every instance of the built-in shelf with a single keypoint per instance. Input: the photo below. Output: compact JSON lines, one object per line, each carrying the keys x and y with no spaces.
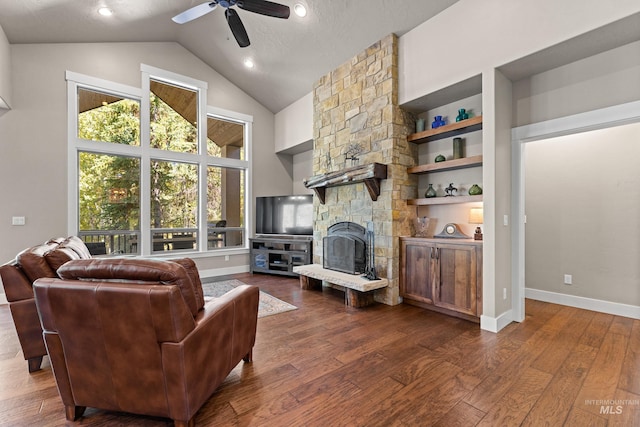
{"x":446,"y":131}
{"x":444,"y":200}
{"x":370,"y":174}
{"x":466,"y":162}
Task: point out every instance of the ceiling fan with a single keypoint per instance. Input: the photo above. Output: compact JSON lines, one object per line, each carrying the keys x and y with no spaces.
{"x":263,"y":7}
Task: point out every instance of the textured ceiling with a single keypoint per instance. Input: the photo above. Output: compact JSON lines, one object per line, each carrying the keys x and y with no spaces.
{"x":290,"y":55}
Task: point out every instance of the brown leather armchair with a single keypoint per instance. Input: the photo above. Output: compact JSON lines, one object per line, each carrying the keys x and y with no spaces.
{"x":136,"y":335}
{"x":17,"y":278}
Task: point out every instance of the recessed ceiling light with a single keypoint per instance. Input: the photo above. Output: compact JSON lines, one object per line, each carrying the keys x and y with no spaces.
{"x":105,"y":11}
{"x":249,"y":63}
{"x":300,"y":10}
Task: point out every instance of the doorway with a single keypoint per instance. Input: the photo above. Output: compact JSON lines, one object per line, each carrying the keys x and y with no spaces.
{"x":584,"y":228}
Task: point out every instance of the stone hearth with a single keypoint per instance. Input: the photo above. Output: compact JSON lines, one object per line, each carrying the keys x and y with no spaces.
{"x":356,"y":105}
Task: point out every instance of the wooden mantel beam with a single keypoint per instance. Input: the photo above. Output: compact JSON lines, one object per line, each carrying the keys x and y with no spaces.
{"x":371,"y":174}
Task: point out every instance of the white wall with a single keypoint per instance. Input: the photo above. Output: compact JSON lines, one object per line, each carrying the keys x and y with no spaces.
{"x":600,"y":81}
{"x":33,"y":152}
{"x":294,"y":124}
{"x":302,"y":168}
{"x":473,"y":36}
{"x":5,"y":72}
{"x":582,"y":205}
{"x":610,"y":78}
{"x":496,"y":134}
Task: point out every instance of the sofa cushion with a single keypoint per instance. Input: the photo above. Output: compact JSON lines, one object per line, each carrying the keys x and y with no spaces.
{"x":134,"y":270}
{"x":77,"y":245}
{"x":71,"y":248}
{"x":57,"y":257}
{"x":33,"y":262}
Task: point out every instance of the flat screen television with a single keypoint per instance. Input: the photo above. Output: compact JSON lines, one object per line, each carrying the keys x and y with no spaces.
{"x":292,"y":215}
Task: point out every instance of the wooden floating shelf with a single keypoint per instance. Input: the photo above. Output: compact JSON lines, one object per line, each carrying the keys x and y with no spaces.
{"x":444,"y":200}
{"x":466,"y":162}
{"x":446,"y":131}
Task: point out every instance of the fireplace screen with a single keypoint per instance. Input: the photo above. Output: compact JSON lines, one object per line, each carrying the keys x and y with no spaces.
{"x":345,"y":248}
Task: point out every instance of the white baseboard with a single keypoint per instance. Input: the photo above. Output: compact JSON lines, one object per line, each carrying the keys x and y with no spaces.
{"x":495,"y":324}
{"x":616,"y":308}
{"x":214,"y":272}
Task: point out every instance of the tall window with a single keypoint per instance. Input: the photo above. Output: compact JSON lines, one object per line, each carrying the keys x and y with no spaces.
{"x":157,"y":170}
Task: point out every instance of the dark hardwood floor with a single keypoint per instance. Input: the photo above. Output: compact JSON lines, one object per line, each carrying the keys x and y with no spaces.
{"x":326,"y":364}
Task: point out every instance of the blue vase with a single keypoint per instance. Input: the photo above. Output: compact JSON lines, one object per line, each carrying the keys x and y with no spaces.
{"x":437,"y":120}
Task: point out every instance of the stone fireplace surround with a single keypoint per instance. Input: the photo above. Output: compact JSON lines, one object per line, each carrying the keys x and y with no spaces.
{"x":357,"y":104}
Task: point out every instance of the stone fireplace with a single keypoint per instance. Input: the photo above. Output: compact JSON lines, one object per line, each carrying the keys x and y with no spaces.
{"x":357,"y":121}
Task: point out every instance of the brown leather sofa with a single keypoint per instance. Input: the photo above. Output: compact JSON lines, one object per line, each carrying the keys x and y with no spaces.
{"x":136,"y":335}
{"x":17,"y":278}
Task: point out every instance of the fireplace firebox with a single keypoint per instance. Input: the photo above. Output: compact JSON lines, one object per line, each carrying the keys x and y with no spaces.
{"x":345,"y":248}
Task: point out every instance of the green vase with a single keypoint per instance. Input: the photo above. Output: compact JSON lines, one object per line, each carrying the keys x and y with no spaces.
{"x":475,"y":190}
{"x":431,"y":192}
{"x":458,"y":148}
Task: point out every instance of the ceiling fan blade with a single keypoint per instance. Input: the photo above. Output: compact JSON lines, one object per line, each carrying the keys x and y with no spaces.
{"x":264,"y":7}
{"x":237,"y":28}
{"x":194,"y":12}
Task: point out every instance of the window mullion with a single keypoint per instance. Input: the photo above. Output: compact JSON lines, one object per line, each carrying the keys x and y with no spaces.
{"x":202,"y":167}
{"x":145,"y":165}
{"x":72,"y":160}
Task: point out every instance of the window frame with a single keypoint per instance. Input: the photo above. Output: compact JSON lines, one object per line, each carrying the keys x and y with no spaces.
{"x":145,"y":153}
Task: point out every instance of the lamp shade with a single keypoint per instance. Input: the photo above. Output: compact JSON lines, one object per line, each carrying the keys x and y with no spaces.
{"x":476,"y":216}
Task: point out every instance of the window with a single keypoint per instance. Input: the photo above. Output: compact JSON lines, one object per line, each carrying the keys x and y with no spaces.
{"x":109,"y":200}
{"x":157,"y":170}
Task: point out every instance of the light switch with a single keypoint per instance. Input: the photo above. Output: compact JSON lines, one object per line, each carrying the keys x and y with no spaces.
{"x":17,"y":220}
{"x":506,"y":220}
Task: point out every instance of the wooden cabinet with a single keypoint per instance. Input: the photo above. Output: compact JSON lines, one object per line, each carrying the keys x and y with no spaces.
{"x":416,"y":275}
{"x":443,"y":275}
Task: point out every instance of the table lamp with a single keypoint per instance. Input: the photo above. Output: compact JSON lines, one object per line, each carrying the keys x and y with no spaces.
{"x":476,"y":217}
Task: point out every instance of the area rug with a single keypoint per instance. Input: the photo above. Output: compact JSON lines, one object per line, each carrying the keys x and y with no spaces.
{"x":269,"y":305}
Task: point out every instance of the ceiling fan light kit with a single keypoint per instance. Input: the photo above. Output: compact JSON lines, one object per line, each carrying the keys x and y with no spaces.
{"x":300,"y":10}
{"x":262,"y":7}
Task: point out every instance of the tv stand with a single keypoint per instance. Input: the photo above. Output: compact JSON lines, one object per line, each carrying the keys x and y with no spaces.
{"x":279,"y":254}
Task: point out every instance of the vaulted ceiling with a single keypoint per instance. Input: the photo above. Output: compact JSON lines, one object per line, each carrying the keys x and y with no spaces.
{"x":289,"y":55}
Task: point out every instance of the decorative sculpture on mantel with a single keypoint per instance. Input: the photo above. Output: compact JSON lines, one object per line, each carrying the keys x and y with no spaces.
{"x":353,"y":150}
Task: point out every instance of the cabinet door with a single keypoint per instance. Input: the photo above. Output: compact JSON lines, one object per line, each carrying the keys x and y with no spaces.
{"x":416,"y":278}
{"x":456,"y":278}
